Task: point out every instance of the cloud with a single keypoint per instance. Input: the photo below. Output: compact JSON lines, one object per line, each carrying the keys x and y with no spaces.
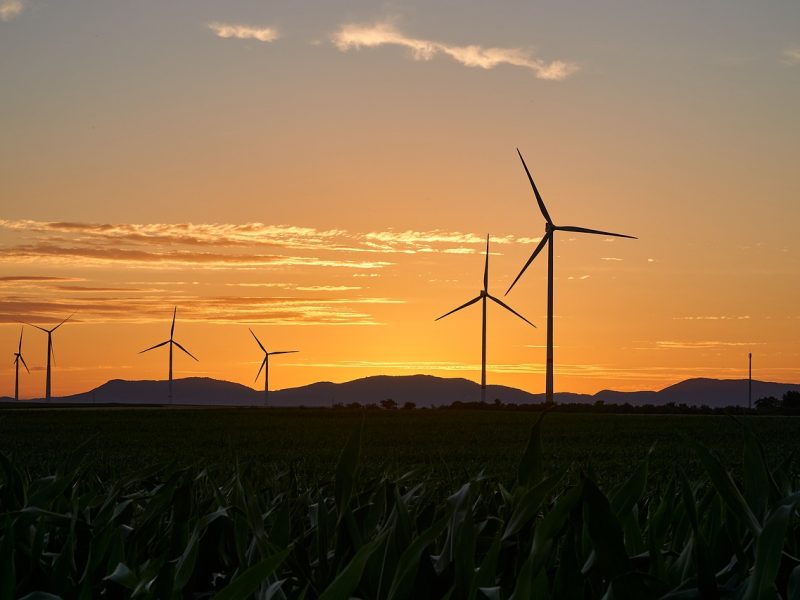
{"x":211,"y":309}
{"x":654,"y":375}
{"x":713,"y":318}
{"x":244,"y":32}
{"x":679,"y":345}
{"x":611,"y":259}
{"x":165,"y":259}
{"x":380,"y":34}
{"x":35,"y":280}
{"x":327,"y":288}
{"x":791,"y":56}
{"x":220,"y":237}
{"x":10,"y":9}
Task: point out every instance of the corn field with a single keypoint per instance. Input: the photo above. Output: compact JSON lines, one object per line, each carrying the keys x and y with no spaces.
{"x":186,"y":533}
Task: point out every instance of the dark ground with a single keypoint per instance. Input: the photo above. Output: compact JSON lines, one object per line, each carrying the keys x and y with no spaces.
{"x":447,"y":445}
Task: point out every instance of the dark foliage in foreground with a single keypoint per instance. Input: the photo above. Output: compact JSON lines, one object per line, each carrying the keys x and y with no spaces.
{"x":181,"y":533}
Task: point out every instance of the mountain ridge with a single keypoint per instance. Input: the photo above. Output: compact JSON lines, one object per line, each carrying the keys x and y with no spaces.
{"x":422,"y":390}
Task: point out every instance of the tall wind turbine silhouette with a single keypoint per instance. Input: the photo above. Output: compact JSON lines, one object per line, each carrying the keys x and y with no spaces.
{"x":17,"y":359}
{"x":482,"y":296}
{"x":50,"y":352}
{"x":550,"y":228}
{"x":171,"y":343}
{"x":265,"y":364}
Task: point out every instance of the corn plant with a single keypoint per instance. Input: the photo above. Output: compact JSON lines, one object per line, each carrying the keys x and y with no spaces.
{"x":189,"y":533}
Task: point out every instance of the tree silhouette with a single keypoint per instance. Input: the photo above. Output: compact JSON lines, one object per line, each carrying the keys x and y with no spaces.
{"x":791,"y":400}
{"x":768,"y":404}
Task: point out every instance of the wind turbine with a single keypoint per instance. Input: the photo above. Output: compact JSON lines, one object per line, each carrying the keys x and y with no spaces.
{"x":550,"y":228}
{"x":171,"y":343}
{"x":50,"y":351}
{"x":482,"y":296}
{"x":17,"y":359}
{"x":265,"y":364}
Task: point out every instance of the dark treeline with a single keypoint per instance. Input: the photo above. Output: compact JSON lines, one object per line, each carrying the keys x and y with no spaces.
{"x":789,"y":404}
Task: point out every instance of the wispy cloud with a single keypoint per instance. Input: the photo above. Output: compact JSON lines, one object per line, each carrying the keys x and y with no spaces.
{"x":220,"y":237}
{"x":211,"y":309}
{"x":791,"y":56}
{"x":10,"y":9}
{"x":652,"y":375}
{"x":381,"y":34}
{"x":166,"y":259}
{"x":326,"y":288}
{"x":704,"y":344}
{"x":713,"y":318}
{"x":244,"y":32}
{"x":34,"y":280}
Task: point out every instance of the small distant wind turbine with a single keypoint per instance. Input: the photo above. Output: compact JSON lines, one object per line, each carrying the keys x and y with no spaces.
{"x":550,"y":228}
{"x":482,"y":296}
{"x":171,"y":343}
{"x":50,"y":352}
{"x":265,"y":364}
{"x":17,"y":359}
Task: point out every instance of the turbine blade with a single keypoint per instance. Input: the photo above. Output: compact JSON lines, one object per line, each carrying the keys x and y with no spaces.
{"x":465,"y":305}
{"x":263,"y":362}
{"x":24,"y":363}
{"x":185,"y":350}
{"x":36,"y":326}
{"x":260,"y":345}
{"x":538,"y":249}
{"x":507,"y":307}
{"x":284,"y":352}
{"x":595,"y":231}
{"x":53,"y":352}
{"x":539,"y":200}
{"x":486,"y":267}
{"x":62,"y":322}
{"x":21,"y":329}
{"x":172,"y":329}
{"x":154,"y":347}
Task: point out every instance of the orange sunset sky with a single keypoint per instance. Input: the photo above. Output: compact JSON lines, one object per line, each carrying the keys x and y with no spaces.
{"x":326,"y":174}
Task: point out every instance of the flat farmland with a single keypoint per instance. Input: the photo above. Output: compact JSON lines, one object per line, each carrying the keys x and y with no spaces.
{"x":444,"y":446}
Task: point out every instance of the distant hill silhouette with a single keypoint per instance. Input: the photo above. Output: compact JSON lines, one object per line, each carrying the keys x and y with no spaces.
{"x":423,"y":390}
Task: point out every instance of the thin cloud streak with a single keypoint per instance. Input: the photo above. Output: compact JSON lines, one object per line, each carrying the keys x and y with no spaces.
{"x":791,"y":56}
{"x":380,"y":34}
{"x":654,"y":374}
{"x":705,"y":344}
{"x":104,"y":256}
{"x":244,"y":32}
{"x":214,"y":309}
{"x":713,"y":318}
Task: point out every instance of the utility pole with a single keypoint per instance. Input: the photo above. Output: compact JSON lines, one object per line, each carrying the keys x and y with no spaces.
{"x":750,"y":381}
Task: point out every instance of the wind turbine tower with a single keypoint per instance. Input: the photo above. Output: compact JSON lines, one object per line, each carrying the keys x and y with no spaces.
{"x":265,"y":364}
{"x":171,"y":341}
{"x":17,"y":359}
{"x":548,"y":240}
{"x":482,"y":296}
{"x":50,"y":353}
